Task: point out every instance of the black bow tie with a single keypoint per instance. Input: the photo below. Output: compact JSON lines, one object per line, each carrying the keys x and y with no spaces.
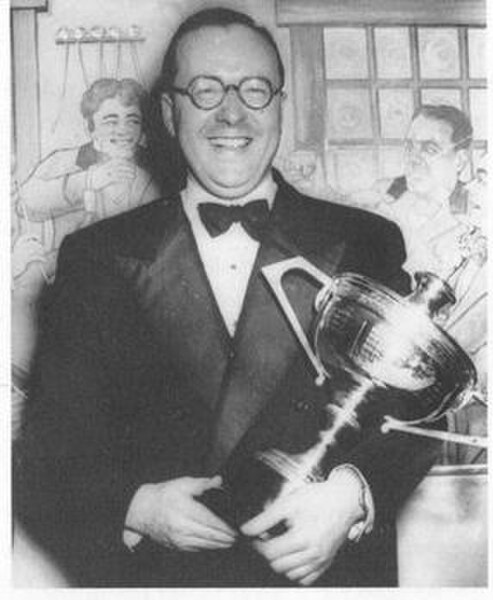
{"x":218,"y":218}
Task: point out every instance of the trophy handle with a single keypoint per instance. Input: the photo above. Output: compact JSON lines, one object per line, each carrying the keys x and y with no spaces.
{"x":274,"y":274}
{"x":391,"y":424}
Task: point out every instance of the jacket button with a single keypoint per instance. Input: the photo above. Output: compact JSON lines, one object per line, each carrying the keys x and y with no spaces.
{"x":301,"y":406}
{"x":179,"y":413}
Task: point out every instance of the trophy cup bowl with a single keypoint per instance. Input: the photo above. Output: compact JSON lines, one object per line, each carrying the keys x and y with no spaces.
{"x":388,"y":363}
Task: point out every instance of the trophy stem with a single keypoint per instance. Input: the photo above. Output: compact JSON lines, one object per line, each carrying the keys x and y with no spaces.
{"x":311,"y":464}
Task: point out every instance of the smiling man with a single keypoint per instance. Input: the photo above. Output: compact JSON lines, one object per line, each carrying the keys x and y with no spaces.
{"x":164,"y":350}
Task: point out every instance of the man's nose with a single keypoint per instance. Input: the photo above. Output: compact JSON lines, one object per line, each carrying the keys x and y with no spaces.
{"x":413,"y":156}
{"x":122,"y":128}
{"x":232,"y":110}
{"x":415,"y":159}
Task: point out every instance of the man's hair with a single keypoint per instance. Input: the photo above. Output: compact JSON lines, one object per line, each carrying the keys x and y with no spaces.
{"x":459,"y":122}
{"x":128,"y":91}
{"x":211,"y":17}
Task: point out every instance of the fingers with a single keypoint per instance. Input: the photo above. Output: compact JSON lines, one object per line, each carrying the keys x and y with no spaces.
{"x":121,"y":172}
{"x":113,"y":171}
{"x":295,"y":560}
{"x":280,"y":547}
{"x":303,"y":573}
{"x":209,"y":537}
{"x":207,"y":518}
{"x":311,"y":578}
{"x":267,"y":519}
{"x":201,"y":484}
{"x":200,"y":514}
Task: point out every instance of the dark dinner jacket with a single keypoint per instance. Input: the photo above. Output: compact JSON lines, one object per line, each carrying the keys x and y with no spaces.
{"x":137,"y":380}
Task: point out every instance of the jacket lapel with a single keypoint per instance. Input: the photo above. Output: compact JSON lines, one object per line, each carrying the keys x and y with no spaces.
{"x":178,"y":303}
{"x":264,"y":344}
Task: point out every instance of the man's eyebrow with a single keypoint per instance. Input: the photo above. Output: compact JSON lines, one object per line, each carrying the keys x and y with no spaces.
{"x":432,"y":141}
{"x":425,"y":141}
{"x":110,"y":116}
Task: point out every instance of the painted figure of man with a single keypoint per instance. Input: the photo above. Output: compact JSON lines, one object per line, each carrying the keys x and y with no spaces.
{"x":110,"y":174}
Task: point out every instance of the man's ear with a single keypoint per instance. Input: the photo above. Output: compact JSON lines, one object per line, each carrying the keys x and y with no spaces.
{"x":167,"y":113}
{"x":87,"y":129}
{"x":462,"y":159}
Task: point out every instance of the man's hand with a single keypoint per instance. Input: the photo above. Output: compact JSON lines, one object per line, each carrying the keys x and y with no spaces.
{"x":27,"y":249}
{"x":318,"y":516}
{"x":115,"y":170}
{"x":169,"y":514}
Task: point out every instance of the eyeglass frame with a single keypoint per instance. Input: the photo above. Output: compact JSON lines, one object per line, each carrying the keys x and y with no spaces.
{"x":226,"y":87}
{"x":429,"y":157}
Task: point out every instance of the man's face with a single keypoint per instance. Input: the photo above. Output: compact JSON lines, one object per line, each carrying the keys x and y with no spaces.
{"x":117,"y":129}
{"x":230,"y":148}
{"x":432,"y":164}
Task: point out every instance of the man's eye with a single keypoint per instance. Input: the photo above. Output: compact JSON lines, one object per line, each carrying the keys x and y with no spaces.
{"x":207,"y":87}
{"x":431,"y":149}
{"x":256,"y":88}
{"x":259,"y":92}
{"x":206,"y":91}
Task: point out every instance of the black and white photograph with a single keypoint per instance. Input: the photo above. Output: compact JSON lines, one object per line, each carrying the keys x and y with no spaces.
{"x":247,"y":295}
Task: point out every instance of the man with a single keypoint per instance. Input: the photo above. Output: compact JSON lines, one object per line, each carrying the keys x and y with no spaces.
{"x":175,"y":351}
{"x":426,"y":200}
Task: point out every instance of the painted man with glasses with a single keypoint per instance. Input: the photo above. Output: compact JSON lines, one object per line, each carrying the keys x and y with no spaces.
{"x":164,"y":350}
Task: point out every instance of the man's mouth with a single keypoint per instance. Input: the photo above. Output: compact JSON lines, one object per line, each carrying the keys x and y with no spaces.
{"x":230,"y":143}
{"x":121,"y":142}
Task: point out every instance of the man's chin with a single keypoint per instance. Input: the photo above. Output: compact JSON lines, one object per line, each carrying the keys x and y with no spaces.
{"x":418,"y":185}
{"x":230,"y":188}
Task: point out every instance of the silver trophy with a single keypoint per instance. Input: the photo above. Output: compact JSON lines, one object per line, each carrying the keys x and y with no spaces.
{"x":388,"y":362}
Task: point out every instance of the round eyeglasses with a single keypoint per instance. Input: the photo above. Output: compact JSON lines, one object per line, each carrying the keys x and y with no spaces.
{"x":207,"y":92}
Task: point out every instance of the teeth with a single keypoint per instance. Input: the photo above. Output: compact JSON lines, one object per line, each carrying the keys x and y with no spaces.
{"x":232,"y":143}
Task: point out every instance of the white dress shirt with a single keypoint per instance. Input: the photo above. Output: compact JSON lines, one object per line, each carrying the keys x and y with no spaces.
{"x":228,"y":258}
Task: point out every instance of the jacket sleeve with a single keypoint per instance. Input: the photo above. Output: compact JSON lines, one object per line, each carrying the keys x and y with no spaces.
{"x":55,"y":187}
{"x":74,"y":471}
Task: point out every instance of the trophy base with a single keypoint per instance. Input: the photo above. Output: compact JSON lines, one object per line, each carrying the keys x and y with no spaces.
{"x":245,"y":492}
